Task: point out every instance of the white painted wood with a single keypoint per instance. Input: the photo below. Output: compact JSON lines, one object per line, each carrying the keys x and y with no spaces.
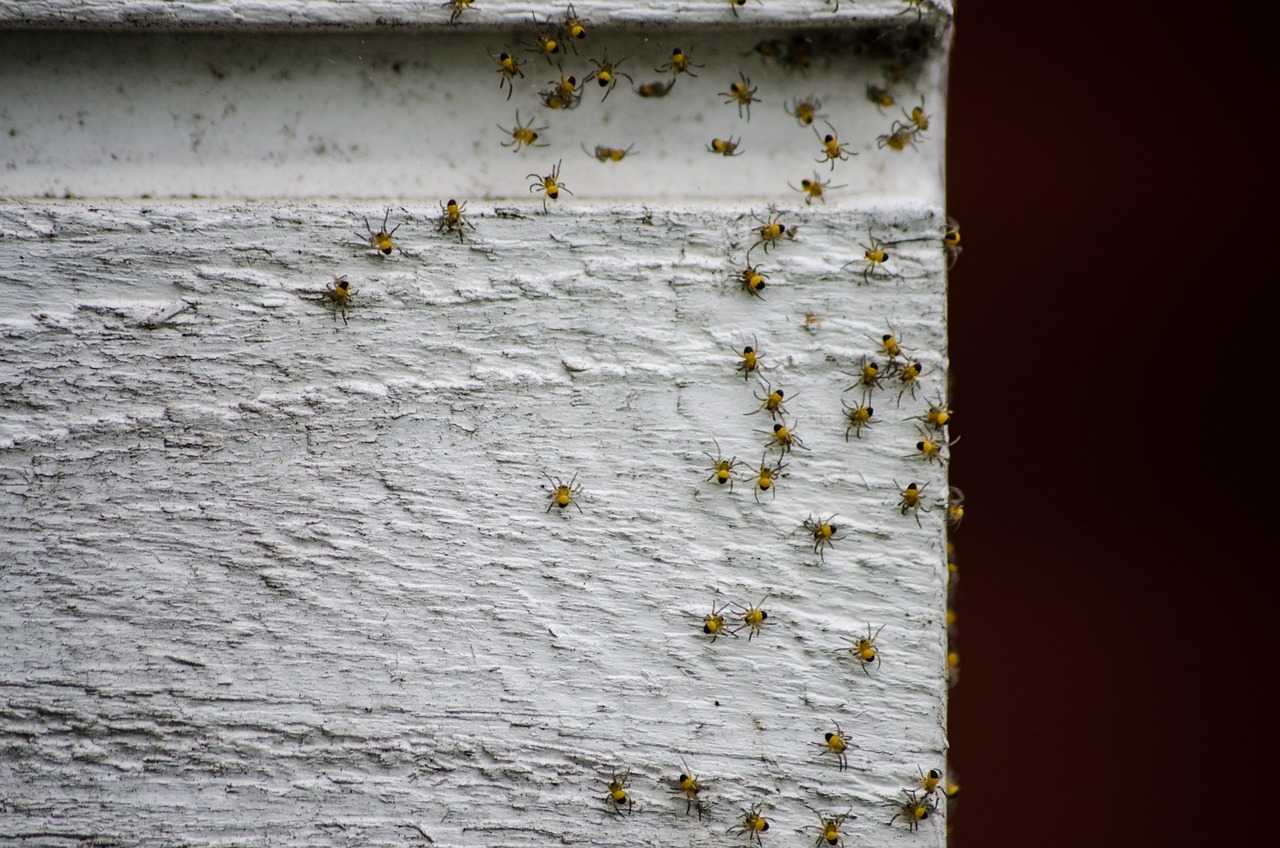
{"x":273,"y":578}
{"x":383,"y":14}
{"x":419,"y":117}
{"x":274,"y":574}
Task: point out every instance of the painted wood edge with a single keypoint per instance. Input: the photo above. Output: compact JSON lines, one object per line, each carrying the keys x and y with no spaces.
{"x":302,"y":15}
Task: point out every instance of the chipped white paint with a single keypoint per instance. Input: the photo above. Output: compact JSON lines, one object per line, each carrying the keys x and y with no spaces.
{"x":273,"y":578}
{"x":274,"y":574}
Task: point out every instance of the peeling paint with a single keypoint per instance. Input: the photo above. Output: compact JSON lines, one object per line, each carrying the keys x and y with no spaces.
{"x":271,"y":578}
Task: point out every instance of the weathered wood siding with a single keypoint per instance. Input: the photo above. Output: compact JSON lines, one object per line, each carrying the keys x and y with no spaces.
{"x":270,"y":577}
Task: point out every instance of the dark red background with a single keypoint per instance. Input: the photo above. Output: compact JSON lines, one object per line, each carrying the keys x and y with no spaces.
{"x":1110,"y":166}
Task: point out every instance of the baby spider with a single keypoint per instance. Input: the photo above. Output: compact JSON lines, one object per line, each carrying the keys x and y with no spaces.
{"x":753,"y":824}
{"x":741,"y":93}
{"x":721,"y":468}
{"x":339,"y":294}
{"x":771,"y":230}
{"x":873,"y":257}
{"x":509,"y":68}
{"x":832,"y":149}
{"x":381,"y":240}
{"x":929,"y":782}
{"x":609,"y":154}
{"x":951,"y":240}
{"x":735,"y":4}
{"x":553,"y":100}
{"x":546,"y":42}
{"x":550,"y":185}
{"x":452,"y":218}
{"x":566,"y":89}
{"x":868,"y":376}
{"x":898,"y":137}
{"x":724,"y":146}
{"x":857,"y":417}
{"x":524,"y":135}
{"x":908,"y":377}
{"x":458,"y":6}
{"x":912,"y":499}
{"x":879,"y":96}
{"x":607,"y":73}
{"x":562,"y":495}
{"x":752,"y":279}
{"x":678,"y":63}
{"x":829,"y":829}
{"x":618,"y":796}
{"x":766,"y":477}
{"x":784,"y":438}
{"x":805,"y":111}
{"x":890,"y":345}
{"x":824,"y":533}
{"x":573,"y":28}
{"x":815,"y":188}
{"x":938,"y":416}
{"x":657,"y":88}
{"x":917,"y":119}
{"x":689,"y":784}
{"x":771,"y":401}
{"x":753,"y":617}
{"x":865,"y":648}
{"x":931,"y":449}
{"x":955,"y":507}
{"x":914,"y":809}
{"x":750,"y":359}
{"x":714,"y":624}
{"x":835,"y":743}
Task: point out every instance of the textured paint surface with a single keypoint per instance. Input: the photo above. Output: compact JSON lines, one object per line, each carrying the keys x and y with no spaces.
{"x":382,"y":14}
{"x":270,"y":577}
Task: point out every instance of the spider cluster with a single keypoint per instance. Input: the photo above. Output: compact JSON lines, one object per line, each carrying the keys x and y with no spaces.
{"x":724,"y":618}
{"x":887,"y":367}
{"x":900,"y":49}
